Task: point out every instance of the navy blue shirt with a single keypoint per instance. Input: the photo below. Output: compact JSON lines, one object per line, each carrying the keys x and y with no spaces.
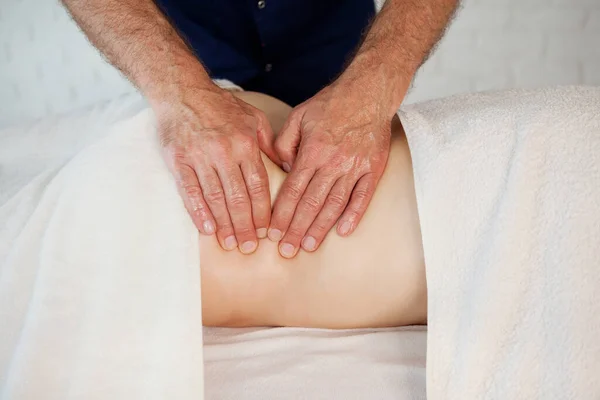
{"x":289,"y":49}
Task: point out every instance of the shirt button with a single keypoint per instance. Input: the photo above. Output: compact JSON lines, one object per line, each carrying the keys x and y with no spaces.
{"x":261,"y":4}
{"x":268,"y":67}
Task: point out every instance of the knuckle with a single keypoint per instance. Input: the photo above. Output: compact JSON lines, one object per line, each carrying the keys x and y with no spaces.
{"x":261,"y":218}
{"x":214,"y":195}
{"x":220,"y":146}
{"x":311,"y":204}
{"x":244,"y":231}
{"x":237,"y":200}
{"x":191,"y":190}
{"x":336,"y":201}
{"x":295,"y":233}
{"x":256,"y":187}
{"x":361,"y":195}
{"x":281,"y":218}
{"x":246,"y":143}
{"x":194,"y":196}
{"x":294,"y":192}
{"x":320,"y":227}
{"x":224,"y":225}
{"x":352,"y":215}
{"x":197,"y":208}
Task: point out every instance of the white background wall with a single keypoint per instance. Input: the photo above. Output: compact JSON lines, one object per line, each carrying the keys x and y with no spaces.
{"x":496,"y":44}
{"x":46,"y":66}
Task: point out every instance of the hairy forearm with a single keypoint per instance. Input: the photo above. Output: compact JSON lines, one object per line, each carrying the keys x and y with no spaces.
{"x":399,"y":41}
{"x":136,"y":37}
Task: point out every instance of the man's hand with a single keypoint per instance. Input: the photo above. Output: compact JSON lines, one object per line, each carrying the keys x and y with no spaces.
{"x":335,"y":146}
{"x":208,"y":135}
{"x":210,"y":142}
{"x":337,"y":142}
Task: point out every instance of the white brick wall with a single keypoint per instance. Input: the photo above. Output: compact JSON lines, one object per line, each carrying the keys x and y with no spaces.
{"x":47,"y":66}
{"x":497,"y":44}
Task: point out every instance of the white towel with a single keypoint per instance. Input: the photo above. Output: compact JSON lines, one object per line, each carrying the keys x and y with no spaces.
{"x":508,"y":191}
{"x":99,"y":279}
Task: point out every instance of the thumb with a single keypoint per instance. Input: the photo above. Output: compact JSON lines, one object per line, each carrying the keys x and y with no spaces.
{"x":266,"y":140}
{"x":288,"y":141}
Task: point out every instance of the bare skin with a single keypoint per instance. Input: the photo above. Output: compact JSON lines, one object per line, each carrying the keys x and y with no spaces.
{"x":375,"y":278}
{"x":211,"y":139}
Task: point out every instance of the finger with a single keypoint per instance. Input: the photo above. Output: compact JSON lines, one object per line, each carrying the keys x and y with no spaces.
{"x":191,"y":193}
{"x":266,"y":138}
{"x":336,"y":202}
{"x":215,"y":199}
{"x":257,"y":184}
{"x":359,"y":201}
{"x":238,"y":204}
{"x":289,"y":195}
{"x":288,"y":141}
{"x":308,"y":208}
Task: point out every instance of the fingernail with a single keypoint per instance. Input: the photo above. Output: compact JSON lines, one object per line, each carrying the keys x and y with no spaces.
{"x":230,"y":243}
{"x":275,"y":235}
{"x":248,"y":247}
{"x":286,"y":167}
{"x":287,"y":250}
{"x":209,"y":228}
{"x":344,"y":228}
{"x":309,"y":243}
{"x":261,"y":233}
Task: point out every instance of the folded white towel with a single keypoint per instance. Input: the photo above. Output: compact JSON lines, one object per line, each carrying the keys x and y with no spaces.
{"x":508,"y":189}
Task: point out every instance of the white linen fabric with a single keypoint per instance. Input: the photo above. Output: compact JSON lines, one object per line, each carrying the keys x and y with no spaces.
{"x":99,"y":277}
{"x":315,"y":364}
{"x":508,"y":191}
{"x":26,"y":150}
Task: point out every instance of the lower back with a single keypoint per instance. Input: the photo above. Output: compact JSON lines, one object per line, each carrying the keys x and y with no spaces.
{"x":374,"y":278}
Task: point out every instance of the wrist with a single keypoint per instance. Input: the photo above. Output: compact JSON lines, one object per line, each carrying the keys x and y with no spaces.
{"x":379,"y":80}
{"x":180,"y":77}
{"x":169,"y":100}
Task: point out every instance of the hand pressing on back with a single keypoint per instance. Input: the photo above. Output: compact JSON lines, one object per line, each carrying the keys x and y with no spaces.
{"x":210,"y":141}
{"x":335,"y":147}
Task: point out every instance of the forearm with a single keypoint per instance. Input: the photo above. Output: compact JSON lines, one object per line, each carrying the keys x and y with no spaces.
{"x":136,"y":37}
{"x":399,"y":41}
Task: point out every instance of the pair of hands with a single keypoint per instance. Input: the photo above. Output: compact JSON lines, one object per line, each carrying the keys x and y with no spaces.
{"x":334,"y":146}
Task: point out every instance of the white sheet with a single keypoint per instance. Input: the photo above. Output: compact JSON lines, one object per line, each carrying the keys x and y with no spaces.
{"x":508,"y":190}
{"x":314,"y":364}
{"x":28,"y":150}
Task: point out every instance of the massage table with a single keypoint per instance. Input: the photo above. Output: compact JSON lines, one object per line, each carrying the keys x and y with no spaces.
{"x":100,"y":283}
